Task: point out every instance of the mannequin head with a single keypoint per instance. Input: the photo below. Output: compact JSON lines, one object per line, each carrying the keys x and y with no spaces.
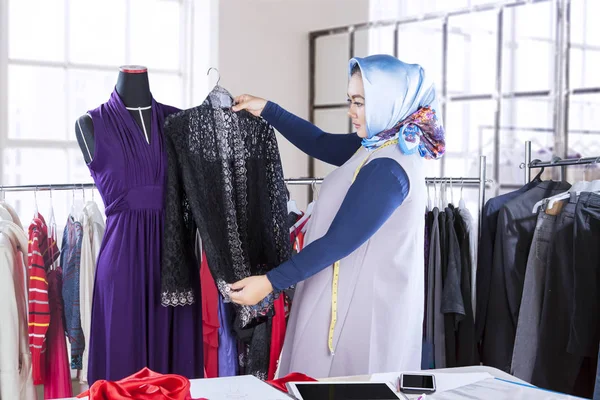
{"x":133,"y":69}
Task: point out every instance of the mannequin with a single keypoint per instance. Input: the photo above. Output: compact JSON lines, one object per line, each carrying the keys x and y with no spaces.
{"x":134,"y":89}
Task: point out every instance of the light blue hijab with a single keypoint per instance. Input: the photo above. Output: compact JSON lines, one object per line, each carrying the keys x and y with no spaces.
{"x":394,"y":91}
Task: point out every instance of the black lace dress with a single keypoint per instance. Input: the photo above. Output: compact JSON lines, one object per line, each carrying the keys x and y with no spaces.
{"x":224,"y":179}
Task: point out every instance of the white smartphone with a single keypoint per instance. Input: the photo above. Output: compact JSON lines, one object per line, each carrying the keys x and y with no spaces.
{"x":417,"y":383}
{"x":342,"y":391}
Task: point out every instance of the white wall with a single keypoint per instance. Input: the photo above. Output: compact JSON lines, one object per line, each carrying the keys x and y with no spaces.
{"x":263,"y":50}
{"x":204,"y":48}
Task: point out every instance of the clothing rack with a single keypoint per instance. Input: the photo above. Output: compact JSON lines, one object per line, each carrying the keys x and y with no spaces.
{"x":45,"y":188}
{"x":555,"y":162}
{"x":480,"y":182}
{"x":430,"y":181}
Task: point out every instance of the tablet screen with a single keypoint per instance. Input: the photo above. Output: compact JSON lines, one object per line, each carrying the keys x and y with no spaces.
{"x":346,"y":391}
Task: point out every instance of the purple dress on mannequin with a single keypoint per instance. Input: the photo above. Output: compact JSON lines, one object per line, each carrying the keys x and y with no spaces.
{"x":129,"y":328}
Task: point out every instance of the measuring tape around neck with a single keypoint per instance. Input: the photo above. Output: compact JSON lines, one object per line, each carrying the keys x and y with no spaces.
{"x":336,"y":265}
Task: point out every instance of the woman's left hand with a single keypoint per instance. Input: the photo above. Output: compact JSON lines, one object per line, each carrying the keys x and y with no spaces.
{"x":251,"y":290}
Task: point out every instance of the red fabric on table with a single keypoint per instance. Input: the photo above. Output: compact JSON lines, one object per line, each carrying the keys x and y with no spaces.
{"x":293,"y":377}
{"x":143,"y":385}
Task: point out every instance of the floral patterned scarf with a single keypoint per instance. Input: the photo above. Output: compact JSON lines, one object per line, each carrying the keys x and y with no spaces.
{"x":419,"y":132}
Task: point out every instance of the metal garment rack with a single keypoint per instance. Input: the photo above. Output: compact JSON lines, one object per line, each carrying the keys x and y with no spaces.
{"x":46,"y":188}
{"x":480,"y":182}
{"x":554,"y":163}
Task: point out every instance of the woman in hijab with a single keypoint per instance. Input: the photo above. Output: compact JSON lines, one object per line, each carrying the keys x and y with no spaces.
{"x":358,"y":304}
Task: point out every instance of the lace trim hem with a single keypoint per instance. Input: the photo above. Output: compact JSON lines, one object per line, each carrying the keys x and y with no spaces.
{"x":174,"y":299}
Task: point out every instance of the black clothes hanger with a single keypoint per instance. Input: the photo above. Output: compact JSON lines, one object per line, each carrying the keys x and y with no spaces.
{"x":538,"y":177}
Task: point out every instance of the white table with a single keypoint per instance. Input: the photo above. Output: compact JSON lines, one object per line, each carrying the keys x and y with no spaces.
{"x":196,"y":384}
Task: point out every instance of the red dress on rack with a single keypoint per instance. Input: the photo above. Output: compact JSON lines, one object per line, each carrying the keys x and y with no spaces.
{"x":57,"y":382}
{"x":42,"y":253}
{"x":279,"y":320}
{"x":210,"y":320}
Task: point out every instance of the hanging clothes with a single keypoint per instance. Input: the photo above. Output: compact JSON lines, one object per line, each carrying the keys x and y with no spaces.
{"x":254,"y":344}
{"x":71,"y":263}
{"x":466,"y":350}
{"x":225,"y":176}
{"x":228,"y":355}
{"x":277,"y":335}
{"x":13,"y":213}
{"x":436,"y":268}
{"x":444,"y":244}
{"x":127,"y":316}
{"x":584,"y":333}
{"x":560,"y":362}
{"x":485,"y":255}
{"x":42,"y":253}
{"x":558,"y":286}
{"x":15,"y":363}
{"x":453,"y":306}
{"x":427,"y":348}
{"x":210,"y":313}
{"x":228,"y":182}
{"x":530,"y":311}
{"x":57,"y":383}
{"x":559,"y":282}
{"x":93,"y":231}
{"x":471,"y":233}
{"x":516,"y":226}
{"x":597,"y":383}
{"x":4,"y":214}
{"x":449,"y":328}
{"x":432,"y":241}
{"x":210,"y":319}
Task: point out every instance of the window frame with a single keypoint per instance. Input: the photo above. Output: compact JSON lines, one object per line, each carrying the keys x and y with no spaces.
{"x":186,"y":53}
{"x":560,"y":93}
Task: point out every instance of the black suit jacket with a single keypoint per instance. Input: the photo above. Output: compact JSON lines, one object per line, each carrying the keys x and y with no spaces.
{"x":485,"y":254}
{"x":516,"y":226}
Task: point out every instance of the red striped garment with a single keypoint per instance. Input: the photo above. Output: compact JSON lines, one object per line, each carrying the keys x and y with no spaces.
{"x":42,"y":253}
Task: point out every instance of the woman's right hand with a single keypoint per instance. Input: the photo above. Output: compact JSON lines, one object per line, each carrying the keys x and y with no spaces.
{"x":254,"y":105}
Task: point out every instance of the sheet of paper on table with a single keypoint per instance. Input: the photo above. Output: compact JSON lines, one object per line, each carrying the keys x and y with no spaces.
{"x":235,"y":388}
{"x":496,"y":388}
{"x":444,"y":381}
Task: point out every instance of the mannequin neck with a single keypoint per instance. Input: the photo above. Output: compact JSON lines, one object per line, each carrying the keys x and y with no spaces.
{"x":134,"y":89}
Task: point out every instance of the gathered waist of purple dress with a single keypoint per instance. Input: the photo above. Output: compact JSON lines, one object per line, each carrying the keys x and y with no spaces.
{"x":147,"y":197}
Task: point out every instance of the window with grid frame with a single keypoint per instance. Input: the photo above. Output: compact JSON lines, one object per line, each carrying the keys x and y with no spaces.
{"x":62,"y":60}
{"x":527,"y":67}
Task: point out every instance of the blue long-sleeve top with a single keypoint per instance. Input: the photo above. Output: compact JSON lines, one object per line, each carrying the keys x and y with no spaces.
{"x":379,"y":189}
{"x":331,"y":148}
